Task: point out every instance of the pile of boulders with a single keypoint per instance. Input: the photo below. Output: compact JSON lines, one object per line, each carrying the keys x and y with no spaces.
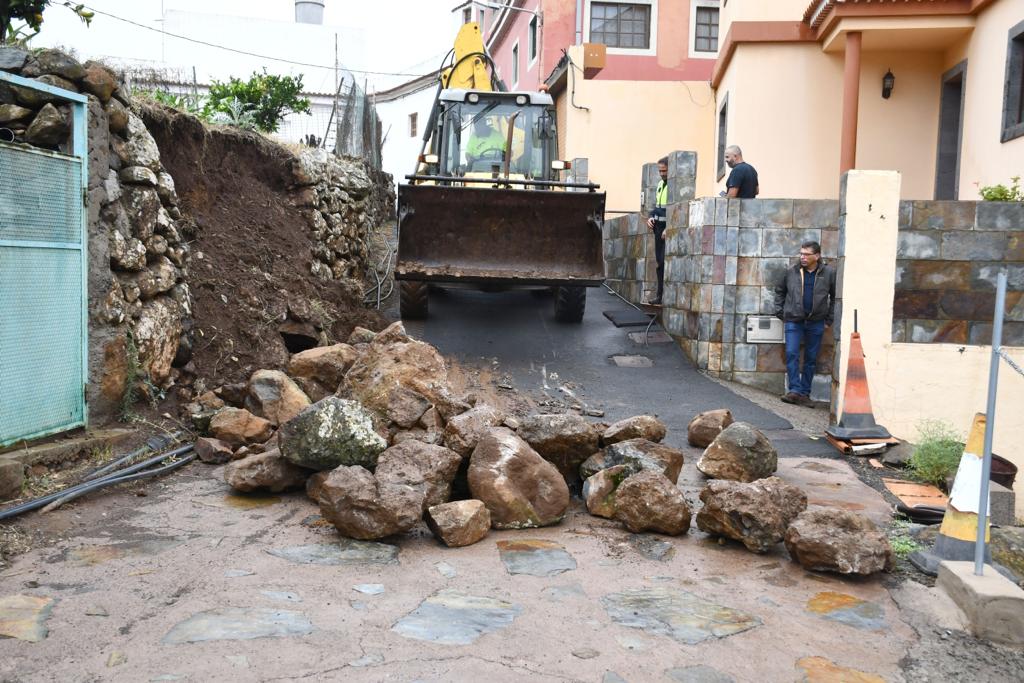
{"x":746,"y":503}
{"x":374,"y":432}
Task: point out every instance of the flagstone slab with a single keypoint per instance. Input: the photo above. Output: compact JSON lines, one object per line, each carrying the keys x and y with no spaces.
{"x":849,"y":610}
{"x":535,"y":557}
{"x":453,"y":618}
{"x":24,"y":617}
{"x":676,"y":613}
{"x":345,"y":551}
{"x":238,"y":623}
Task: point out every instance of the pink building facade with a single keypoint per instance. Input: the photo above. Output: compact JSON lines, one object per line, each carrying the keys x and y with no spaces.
{"x":648,"y":40}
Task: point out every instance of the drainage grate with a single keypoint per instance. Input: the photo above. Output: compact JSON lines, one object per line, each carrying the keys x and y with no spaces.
{"x":633,"y":361}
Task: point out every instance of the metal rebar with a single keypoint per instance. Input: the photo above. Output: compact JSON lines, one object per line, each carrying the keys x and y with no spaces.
{"x":990,"y":423}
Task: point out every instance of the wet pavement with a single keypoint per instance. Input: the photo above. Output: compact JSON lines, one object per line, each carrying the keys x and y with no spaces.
{"x":176,"y":587}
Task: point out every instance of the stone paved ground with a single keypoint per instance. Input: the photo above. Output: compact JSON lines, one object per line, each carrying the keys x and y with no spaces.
{"x":158,"y":588}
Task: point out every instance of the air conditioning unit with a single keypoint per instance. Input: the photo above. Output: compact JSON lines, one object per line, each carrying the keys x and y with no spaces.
{"x":765,"y":329}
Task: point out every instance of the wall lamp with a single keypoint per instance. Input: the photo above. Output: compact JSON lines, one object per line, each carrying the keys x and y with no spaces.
{"x":888,"y":82}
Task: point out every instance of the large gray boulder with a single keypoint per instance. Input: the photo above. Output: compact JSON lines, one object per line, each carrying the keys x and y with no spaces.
{"x":648,"y":501}
{"x":740,"y":453}
{"x":331,"y":433}
{"x":833,"y":540}
{"x":361,"y":507}
{"x":755,"y":514}
{"x":636,"y":427}
{"x":266,"y":471}
{"x":519,"y":488}
{"x":427,"y":468}
{"x":639,"y":454}
{"x":563,"y":440}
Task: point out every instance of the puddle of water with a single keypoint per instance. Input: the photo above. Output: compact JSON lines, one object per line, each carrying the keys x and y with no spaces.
{"x":652,"y":547}
{"x":535,"y":557}
{"x":633,"y":361}
{"x":453,"y":618}
{"x":241,"y":501}
{"x":560,"y":593}
{"x":846,"y":609}
{"x":238,"y":623}
{"x":90,"y":556}
{"x":24,"y":617}
{"x":676,"y":613}
{"x":345,"y":551}
{"x":821,"y":670}
{"x":698,"y":673}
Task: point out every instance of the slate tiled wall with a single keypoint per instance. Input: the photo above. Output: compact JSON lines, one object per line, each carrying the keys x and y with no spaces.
{"x":948,"y":256}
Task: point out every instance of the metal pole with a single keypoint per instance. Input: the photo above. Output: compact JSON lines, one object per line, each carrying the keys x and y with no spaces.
{"x":990,"y":423}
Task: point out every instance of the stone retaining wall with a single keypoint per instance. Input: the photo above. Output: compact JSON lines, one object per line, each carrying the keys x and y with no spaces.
{"x":948,"y":256}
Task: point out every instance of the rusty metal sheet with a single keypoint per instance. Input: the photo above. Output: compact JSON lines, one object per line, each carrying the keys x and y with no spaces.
{"x":499,"y":235}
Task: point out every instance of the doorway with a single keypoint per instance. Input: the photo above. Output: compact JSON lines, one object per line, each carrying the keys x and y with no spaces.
{"x":951,"y":119}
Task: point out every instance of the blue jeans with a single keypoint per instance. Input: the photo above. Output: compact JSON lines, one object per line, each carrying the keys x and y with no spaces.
{"x":808,"y":333}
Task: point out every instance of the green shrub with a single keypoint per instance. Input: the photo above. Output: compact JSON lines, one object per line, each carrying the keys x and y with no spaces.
{"x":265,"y":97}
{"x":1002,"y":193}
{"x":937,"y":454}
{"x":185,"y":103}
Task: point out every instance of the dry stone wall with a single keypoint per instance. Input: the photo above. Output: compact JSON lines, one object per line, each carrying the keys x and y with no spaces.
{"x":139,"y":300}
{"x":142,"y":310}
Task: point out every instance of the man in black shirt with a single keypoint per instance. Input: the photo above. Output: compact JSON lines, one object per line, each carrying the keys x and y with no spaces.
{"x":742,"y":182}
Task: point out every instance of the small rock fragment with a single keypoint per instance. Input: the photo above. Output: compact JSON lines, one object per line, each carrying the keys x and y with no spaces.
{"x":238,"y":427}
{"x":266,"y":471}
{"x":703,"y":428}
{"x":636,"y":427}
{"x":459,"y":523}
{"x":648,"y":501}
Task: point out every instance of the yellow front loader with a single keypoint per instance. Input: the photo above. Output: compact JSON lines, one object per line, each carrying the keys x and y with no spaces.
{"x":486,"y":204}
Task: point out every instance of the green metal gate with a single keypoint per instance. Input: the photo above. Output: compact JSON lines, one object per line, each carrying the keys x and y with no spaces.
{"x":43,"y":299}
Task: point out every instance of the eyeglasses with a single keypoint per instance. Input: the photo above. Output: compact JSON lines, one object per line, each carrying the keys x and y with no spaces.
{"x":808,"y":253}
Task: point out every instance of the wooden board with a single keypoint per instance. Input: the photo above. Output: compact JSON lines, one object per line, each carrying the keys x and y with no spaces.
{"x":911,"y":494}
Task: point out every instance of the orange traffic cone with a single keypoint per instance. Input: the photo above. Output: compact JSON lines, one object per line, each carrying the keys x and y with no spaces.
{"x":857,"y":420}
{"x":959,"y":529}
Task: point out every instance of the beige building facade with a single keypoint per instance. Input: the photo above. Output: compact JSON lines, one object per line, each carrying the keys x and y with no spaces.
{"x":801,"y":89}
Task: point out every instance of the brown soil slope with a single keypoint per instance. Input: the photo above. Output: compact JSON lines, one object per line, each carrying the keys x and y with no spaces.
{"x":250,"y":240}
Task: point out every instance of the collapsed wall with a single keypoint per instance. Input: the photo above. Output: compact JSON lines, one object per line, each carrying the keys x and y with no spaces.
{"x":266,"y":252}
{"x":279,"y":241}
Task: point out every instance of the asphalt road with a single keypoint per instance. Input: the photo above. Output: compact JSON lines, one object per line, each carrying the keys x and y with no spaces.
{"x":518,"y":329}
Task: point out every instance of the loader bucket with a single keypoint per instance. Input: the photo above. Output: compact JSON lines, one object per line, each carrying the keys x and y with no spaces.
{"x":499,"y":235}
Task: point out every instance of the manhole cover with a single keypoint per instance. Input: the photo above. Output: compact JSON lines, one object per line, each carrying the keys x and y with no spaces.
{"x":633,"y":361}
{"x":653,"y":337}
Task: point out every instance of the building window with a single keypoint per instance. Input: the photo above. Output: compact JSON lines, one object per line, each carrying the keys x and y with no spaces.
{"x":412,"y":124}
{"x":723,"y":120}
{"x":515,"y":65}
{"x":467,"y":15}
{"x":482,"y":18}
{"x":618,"y":24}
{"x":706,"y":38}
{"x":533,"y":39}
{"x":1013,"y":94}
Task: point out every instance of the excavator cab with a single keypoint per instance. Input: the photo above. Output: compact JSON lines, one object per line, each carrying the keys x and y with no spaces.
{"x":487,"y":205}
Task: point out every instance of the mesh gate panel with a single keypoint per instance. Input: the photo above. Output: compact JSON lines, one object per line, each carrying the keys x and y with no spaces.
{"x":41,"y":297}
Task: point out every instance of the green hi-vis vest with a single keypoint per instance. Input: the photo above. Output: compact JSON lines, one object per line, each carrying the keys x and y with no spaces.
{"x":661,"y":199}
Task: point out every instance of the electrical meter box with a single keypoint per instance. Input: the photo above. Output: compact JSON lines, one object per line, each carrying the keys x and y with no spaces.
{"x":765,"y":329}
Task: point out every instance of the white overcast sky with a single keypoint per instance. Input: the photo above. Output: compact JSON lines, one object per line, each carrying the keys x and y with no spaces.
{"x":397,"y":35}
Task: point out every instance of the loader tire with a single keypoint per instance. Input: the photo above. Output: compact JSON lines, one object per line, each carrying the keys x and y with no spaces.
{"x":413,"y":299}
{"x":570,"y":303}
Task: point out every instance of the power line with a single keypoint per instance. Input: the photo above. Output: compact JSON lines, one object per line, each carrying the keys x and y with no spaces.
{"x":244,"y":52}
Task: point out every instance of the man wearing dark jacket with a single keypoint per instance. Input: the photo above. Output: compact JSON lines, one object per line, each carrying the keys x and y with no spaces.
{"x":805,"y":300}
